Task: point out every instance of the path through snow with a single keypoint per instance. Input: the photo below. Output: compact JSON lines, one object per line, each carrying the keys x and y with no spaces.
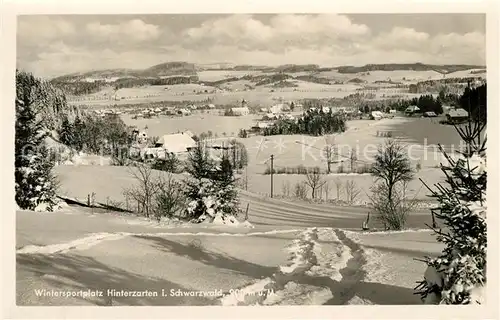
{"x":324,"y":268}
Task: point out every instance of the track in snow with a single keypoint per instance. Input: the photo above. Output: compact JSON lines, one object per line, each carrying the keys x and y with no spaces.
{"x":312,"y":277}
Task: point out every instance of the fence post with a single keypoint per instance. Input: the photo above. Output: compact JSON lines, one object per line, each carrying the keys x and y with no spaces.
{"x":246,"y":213}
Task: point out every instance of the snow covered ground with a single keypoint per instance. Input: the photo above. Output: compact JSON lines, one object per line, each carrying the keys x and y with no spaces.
{"x":289,"y":253}
{"x":264,"y":265}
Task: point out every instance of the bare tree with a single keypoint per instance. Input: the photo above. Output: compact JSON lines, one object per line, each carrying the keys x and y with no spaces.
{"x":145,"y":189}
{"x":392,"y":169}
{"x":327,"y":190}
{"x":314,"y":179}
{"x":285,"y":188}
{"x":352,"y":191}
{"x":393,"y":214}
{"x":300,"y":190}
{"x":170,"y":199}
{"x":353,"y":158}
{"x":329,"y":152}
{"x":392,"y":165}
{"x":339,"y":186}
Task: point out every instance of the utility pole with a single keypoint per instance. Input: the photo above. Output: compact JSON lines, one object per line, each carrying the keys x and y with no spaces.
{"x":246,"y":178}
{"x":234,"y":156}
{"x":272,"y":172}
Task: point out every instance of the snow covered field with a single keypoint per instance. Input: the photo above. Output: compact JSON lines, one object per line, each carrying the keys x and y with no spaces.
{"x":192,"y":266}
{"x":290,"y":252}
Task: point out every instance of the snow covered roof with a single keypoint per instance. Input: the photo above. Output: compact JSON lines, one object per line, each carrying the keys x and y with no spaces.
{"x":377,"y":114}
{"x":240,"y":110}
{"x":177,"y":142}
{"x":189,"y":133}
{"x":458,"y":113}
{"x":412,"y":109}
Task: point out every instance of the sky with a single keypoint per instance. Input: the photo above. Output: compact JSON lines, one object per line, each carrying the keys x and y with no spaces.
{"x":52,"y":45}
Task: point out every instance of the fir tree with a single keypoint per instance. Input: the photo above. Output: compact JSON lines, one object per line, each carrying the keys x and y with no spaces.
{"x":66,"y":135}
{"x":458,"y":275}
{"x":200,"y":167}
{"x":211,"y":189}
{"x":35,"y":183}
{"x":225,"y":182}
{"x":78,"y":134}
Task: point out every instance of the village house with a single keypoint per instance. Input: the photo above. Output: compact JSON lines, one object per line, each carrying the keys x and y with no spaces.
{"x":177,"y":144}
{"x":430,"y":114}
{"x":376,"y":115}
{"x":260,"y":126}
{"x":411,"y":110}
{"x":271,"y":116}
{"x":184,"y":112}
{"x":242,"y":111}
{"x":457,"y":115}
{"x":279,"y":108}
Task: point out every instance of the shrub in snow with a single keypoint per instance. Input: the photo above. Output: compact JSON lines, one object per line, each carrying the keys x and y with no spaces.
{"x":34,"y":181}
{"x":458,"y":275}
{"x":212,"y":205}
{"x":211,"y":188}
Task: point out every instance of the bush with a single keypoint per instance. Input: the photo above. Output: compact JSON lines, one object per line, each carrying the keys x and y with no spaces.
{"x":301,"y":169}
{"x":286,"y":188}
{"x":352,"y":192}
{"x":418,"y":166}
{"x":341,"y":169}
{"x":243,"y":133}
{"x":268,"y":171}
{"x":314,"y":179}
{"x":300,"y":190}
{"x":391,"y":211}
{"x":170,"y":200}
{"x":145,"y":190}
{"x":170,"y":164}
{"x":365,"y":168}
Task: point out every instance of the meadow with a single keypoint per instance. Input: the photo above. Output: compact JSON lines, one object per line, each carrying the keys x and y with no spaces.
{"x":234,"y":92}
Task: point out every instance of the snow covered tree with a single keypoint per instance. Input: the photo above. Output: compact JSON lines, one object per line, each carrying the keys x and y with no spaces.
{"x":211,"y":188}
{"x":226,"y":183}
{"x":35,"y":183}
{"x":200,"y":167}
{"x":458,"y":275}
{"x":66,"y":135}
{"x":78,"y":133}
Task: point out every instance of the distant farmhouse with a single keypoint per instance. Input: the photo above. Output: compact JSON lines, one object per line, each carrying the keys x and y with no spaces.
{"x":177,"y":144}
{"x":430,"y":114}
{"x":279,"y":108}
{"x":376,"y":115}
{"x":241,"y":111}
{"x":411,"y":110}
{"x":457,"y":115}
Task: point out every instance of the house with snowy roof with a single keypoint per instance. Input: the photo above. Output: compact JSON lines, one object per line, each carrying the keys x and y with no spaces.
{"x":457,"y":115}
{"x":242,"y":111}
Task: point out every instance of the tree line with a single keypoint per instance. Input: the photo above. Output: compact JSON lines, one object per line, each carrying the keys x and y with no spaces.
{"x":96,"y":135}
{"x":313,"y":122}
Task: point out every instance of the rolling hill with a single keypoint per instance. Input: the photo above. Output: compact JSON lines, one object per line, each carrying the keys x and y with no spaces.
{"x":156,"y":71}
{"x":190,"y":69}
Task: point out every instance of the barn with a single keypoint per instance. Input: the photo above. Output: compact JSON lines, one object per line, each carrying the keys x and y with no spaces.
{"x":242,"y":111}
